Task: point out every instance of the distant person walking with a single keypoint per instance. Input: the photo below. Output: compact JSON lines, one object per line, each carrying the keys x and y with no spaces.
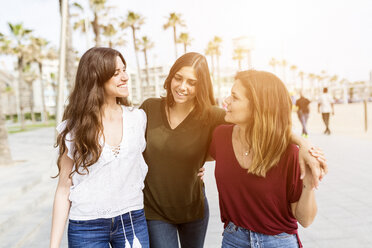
{"x":303,"y":112}
{"x":325,"y":106}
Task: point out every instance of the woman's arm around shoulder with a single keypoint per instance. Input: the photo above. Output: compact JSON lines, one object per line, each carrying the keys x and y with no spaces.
{"x":312,"y":158}
{"x":61,"y":206}
{"x":306,"y":208}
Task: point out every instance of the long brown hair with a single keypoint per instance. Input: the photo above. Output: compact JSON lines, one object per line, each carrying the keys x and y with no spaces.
{"x":83,"y":112}
{"x":268,"y":132}
{"x":204,"y":99}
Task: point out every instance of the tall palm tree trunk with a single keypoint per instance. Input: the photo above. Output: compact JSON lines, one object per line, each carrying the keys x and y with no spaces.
{"x":212,"y":61}
{"x":31,"y":101}
{"x":5,"y":156}
{"x":139,"y":81}
{"x":96,"y":30}
{"x":218,"y":78}
{"x":147,"y":67}
{"x":175,"y":41}
{"x":44,"y":115}
{"x":21,"y":117}
{"x":184,"y":47}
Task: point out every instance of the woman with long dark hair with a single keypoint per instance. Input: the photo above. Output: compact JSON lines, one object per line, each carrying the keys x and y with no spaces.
{"x":101,"y":168}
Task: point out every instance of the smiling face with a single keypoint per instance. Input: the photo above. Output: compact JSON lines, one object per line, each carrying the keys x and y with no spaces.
{"x":183,"y":85}
{"x":237,"y":105}
{"x":117,"y":85}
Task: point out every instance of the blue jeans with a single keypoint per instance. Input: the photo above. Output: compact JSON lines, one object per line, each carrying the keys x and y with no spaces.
{"x":303,"y":117}
{"x":191,"y":234}
{"x":101,"y":233}
{"x":238,"y":237}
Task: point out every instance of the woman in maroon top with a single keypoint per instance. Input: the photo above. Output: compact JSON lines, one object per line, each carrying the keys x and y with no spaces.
{"x":257,"y":171}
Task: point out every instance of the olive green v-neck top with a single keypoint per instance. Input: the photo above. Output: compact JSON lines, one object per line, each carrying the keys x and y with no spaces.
{"x":173,"y":191}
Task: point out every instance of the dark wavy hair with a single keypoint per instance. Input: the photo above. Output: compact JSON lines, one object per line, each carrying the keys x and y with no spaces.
{"x":84,"y":110}
{"x":204,"y":89}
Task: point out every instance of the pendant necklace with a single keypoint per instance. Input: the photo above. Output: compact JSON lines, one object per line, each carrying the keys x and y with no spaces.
{"x":245,"y":153}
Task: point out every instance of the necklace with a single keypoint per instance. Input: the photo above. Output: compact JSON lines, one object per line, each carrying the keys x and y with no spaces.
{"x":245,"y":152}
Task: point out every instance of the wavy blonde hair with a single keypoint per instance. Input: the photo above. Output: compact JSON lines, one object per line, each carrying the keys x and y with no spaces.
{"x":268,"y":132}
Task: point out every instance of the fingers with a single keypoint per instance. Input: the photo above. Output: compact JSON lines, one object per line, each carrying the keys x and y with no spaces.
{"x":316,"y":151}
{"x":302,"y":168}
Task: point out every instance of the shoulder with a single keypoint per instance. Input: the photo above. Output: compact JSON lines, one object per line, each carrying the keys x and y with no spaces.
{"x":61,"y":126}
{"x":135,"y":113}
{"x":150,"y":105}
{"x":218,"y":115}
{"x":291,"y":152}
{"x":150,"y":101}
{"x":223,"y":129}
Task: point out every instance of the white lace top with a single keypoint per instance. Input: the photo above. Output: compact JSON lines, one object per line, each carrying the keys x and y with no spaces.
{"x":115,"y":182}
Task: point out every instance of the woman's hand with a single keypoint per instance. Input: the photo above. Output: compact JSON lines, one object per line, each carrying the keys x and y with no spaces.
{"x":319,"y":155}
{"x":313,"y":157}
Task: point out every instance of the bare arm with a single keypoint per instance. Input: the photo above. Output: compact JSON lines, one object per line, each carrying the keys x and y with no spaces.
{"x":61,"y":206}
{"x":309,"y":158}
{"x":306,"y":208}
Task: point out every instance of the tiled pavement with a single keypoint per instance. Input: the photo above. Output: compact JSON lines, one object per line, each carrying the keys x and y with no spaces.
{"x":344,"y":197}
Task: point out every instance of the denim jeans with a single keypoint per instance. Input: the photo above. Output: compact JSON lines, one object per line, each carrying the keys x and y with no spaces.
{"x":99,"y":233}
{"x":191,"y":234}
{"x":238,"y":237}
{"x":303,"y":117}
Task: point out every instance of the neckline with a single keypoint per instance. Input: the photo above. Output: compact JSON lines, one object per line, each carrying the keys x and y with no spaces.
{"x":165,"y":118}
{"x":122,"y":132}
{"x":233,"y":151}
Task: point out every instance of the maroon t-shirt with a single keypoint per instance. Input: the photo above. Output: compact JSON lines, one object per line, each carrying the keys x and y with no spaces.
{"x":252,"y":202}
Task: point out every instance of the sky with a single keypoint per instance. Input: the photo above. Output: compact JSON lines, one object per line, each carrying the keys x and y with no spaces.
{"x":330,"y":35}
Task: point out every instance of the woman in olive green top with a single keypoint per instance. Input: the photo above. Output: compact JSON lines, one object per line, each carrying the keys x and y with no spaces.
{"x":179,"y":129}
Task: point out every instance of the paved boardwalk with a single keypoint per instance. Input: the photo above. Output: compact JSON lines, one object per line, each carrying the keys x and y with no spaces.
{"x":344,"y":198}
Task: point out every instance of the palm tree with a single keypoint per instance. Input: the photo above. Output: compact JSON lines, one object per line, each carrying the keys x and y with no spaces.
{"x":113,"y":35}
{"x":185,"y":39}
{"x":5,"y":156}
{"x":312,"y":77}
{"x":96,"y":6}
{"x":20,"y":34}
{"x":301,"y":75}
{"x":83,"y":23}
{"x":174,"y":20}
{"x":273,"y":63}
{"x":41,"y":52}
{"x":70,"y":52}
{"x":109,"y":31}
{"x":29,"y":78}
{"x":293,"y":69}
{"x":145,"y":44}
{"x":333,"y":79}
{"x":238,"y":55}
{"x":217,"y":45}
{"x":134,"y":22}
{"x":284,"y":64}
{"x":209,"y":51}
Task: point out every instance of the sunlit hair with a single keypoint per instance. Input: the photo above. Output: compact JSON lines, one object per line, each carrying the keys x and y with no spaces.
{"x":268,"y":131}
{"x":204,"y":98}
{"x":84,"y":110}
